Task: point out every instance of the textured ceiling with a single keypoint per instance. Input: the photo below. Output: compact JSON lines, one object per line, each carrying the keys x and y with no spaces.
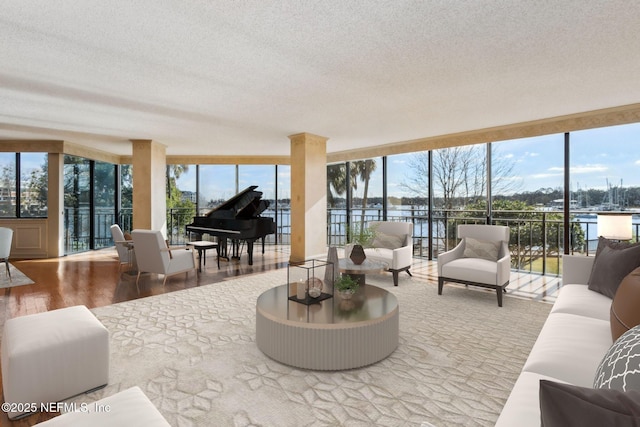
{"x":238,"y":77}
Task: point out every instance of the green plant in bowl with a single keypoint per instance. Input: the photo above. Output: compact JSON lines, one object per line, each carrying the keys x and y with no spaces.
{"x":346,"y":286}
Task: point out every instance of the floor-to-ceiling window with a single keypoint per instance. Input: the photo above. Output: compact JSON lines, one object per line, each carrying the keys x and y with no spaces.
{"x":217,"y":183}
{"x":104,"y":203}
{"x":408,"y":195}
{"x":89,"y":203}
{"x":125,"y":208}
{"x":336,"y":203}
{"x":459,"y":176}
{"x":181,"y":198}
{"x":283,"y":205}
{"x":264,"y":177}
{"x":605,"y":166}
{"x":77,"y":198}
{"x":527,"y":191}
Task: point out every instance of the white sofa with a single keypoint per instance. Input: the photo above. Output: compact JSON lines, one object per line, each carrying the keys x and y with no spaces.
{"x":397,"y":257}
{"x":571,"y":344}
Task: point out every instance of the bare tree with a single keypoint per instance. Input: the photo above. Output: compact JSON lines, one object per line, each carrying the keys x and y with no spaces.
{"x":460,"y":174}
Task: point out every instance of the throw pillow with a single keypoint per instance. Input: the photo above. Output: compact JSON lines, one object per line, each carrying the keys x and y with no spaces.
{"x":474,"y":248}
{"x":388,"y":241}
{"x":567,"y":405}
{"x":620,"y":367}
{"x":625,"y":309}
{"x":614,"y":260}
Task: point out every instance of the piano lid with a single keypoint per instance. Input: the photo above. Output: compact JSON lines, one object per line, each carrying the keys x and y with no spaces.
{"x":244,"y":205}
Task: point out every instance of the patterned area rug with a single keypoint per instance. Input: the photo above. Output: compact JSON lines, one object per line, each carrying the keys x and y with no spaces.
{"x":18,"y":278}
{"x":193,"y":353}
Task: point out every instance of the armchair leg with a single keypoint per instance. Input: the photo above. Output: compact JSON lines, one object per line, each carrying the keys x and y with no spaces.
{"x":409,"y":273}
{"x":395,"y":277}
{"x":440,"y":285}
{"x":6,"y":263}
{"x":499,"y":292}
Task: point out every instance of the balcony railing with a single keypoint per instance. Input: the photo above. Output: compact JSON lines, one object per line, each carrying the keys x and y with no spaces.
{"x":536,"y":242}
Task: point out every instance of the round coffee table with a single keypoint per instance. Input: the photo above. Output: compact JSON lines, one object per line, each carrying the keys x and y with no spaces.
{"x":358,"y":271}
{"x":333,"y":334}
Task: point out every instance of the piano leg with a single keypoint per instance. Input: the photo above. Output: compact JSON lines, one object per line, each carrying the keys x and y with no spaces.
{"x":222,"y":248}
{"x":235,"y":249}
{"x":250,"y":251}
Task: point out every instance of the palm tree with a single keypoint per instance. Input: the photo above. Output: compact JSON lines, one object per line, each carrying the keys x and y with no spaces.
{"x":363,"y":170}
{"x":336,"y":180}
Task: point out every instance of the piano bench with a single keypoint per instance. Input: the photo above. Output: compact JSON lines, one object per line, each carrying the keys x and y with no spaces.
{"x":201,"y":246}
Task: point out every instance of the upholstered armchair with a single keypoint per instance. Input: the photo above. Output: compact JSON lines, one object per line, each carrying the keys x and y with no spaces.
{"x":6,"y":237}
{"x":153,"y":255}
{"x":393,"y":245}
{"x":480,"y":259}
{"x":123,"y":247}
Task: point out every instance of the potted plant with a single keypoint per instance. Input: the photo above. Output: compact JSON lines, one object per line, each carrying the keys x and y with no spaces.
{"x":346,"y":286}
{"x":360,"y":237}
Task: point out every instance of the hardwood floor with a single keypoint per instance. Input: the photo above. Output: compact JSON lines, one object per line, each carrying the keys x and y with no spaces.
{"x":94,"y":279}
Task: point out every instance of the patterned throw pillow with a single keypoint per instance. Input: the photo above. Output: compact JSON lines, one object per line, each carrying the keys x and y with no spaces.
{"x":479,"y":249}
{"x":620,"y":367}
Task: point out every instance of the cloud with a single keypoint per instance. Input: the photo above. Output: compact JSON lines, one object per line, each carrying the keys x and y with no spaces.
{"x":637,"y":162}
{"x":588,"y":168}
{"x":545,"y":175}
{"x":580,"y":169}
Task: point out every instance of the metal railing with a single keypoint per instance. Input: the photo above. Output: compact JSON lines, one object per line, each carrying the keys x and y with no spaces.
{"x":536,"y":241}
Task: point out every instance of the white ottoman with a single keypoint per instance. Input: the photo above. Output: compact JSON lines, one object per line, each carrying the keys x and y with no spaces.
{"x":130,"y":408}
{"x":48,"y":357}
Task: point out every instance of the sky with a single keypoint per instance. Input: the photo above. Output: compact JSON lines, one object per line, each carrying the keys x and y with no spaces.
{"x":598,"y":156}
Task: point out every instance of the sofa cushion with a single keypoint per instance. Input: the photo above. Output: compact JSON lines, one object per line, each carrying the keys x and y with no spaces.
{"x":620,"y":366}
{"x":614,"y":260}
{"x":578,"y":299}
{"x":472,"y":270}
{"x":625,"y":309}
{"x":388,"y":241}
{"x":523,"y":406}
{"x":570,"y":348}
{"x":474,"y":248}
{"x":566,"y":405}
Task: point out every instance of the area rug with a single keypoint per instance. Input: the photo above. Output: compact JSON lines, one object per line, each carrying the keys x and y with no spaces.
{"x":193,"y":353}
{"x":18,"y":278}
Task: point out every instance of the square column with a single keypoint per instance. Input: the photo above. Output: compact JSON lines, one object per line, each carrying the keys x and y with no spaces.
{"x":308,"y":196}
{"x":149,"y":185}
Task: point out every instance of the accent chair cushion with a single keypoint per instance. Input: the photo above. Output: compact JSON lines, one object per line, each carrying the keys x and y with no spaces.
{"x":625,"y":309}
{"x":568,"y":405}
{"x":614,"y":260}
{"x":388,"y":241}
{"x":620,"y":367}
{"x":474,"y":248}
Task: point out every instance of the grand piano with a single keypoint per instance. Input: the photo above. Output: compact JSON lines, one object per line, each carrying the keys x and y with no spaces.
{"x":238,"y":219}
